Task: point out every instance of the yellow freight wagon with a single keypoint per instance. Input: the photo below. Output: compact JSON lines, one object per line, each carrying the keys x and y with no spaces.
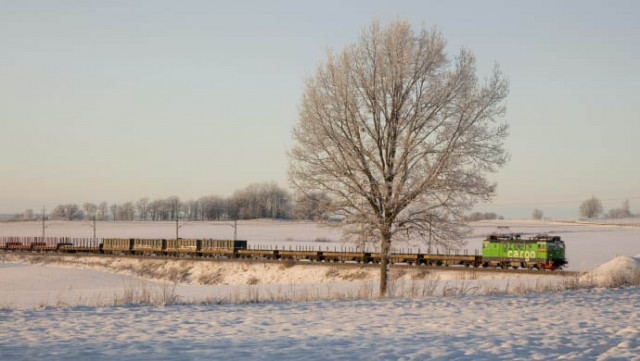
{"x":117,"y":245}
{"x":182,"y":245}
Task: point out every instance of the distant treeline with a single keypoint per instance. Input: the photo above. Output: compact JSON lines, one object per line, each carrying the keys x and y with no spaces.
{"x":262,"y":200}
{"x":592,"y":208}
{"x":479,"y":216}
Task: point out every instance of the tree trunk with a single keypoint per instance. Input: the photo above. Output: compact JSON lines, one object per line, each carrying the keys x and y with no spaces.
{"x":384,"y":264}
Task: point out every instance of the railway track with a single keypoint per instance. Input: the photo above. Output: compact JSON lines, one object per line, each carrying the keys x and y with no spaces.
{"x":453,"y":268}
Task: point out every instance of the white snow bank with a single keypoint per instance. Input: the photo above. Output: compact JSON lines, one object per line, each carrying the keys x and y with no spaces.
{"x":620,"y":271}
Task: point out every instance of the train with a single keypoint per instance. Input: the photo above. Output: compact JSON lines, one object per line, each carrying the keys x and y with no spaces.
{"x":498,"y":251}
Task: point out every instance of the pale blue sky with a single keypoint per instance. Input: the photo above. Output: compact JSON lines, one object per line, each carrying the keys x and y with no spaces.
{"x":115,"y":100}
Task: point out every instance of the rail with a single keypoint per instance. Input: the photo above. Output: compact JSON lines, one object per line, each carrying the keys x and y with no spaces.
{"x":453,"y":268}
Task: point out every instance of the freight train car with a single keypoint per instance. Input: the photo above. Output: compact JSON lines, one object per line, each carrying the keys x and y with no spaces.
{"x":117,"y":245}
{"x":219,"y":247}
{"x":181,"y":246}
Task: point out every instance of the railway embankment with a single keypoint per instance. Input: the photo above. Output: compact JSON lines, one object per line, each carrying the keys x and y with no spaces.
{"x":207,"y":271}
{"x":144,"y":280}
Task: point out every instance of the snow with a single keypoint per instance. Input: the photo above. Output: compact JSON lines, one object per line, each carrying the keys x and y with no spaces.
{"x":581,"y":325}
{"x":619,"y":271}
{"x":69,"y":281}
{"x":25,"y":286}
{"x":57,"y":308}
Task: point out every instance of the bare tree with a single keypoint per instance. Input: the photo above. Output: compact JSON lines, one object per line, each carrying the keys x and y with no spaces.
{"x":154,"y":209}
{"x":67,"y":211}
{"x":59,"y":212}
{"x":90,"y":210}
{"x":312,"y":206}
{"x":173,"y":206}
{"x":114,"y":211}
{"x":142,"y":205}
{"x":480,"y":216}
{"x":103,"y":208}
{"x":623,"y":212}
{"x":400,"y":135}
{"x":28,"y":215}
{"x":537,"y":214}
{"x":590,"y":208}
{"x":213,"y":208}
{"x":260,"y":200}
{"x":126,"y":212}
{"x":626,"y":208}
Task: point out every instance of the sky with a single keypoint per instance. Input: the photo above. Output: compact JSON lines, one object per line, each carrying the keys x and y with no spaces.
{"x":118,"y":100}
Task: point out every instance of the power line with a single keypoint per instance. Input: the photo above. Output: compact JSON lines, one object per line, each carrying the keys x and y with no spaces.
{"x":551,"y":202}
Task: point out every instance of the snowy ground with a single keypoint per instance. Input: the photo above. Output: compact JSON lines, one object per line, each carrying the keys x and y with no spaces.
{"x":41,"y":318}
{"x":588,"y":245}
{"x":582,"y":325}
{"x":42,"y":282}
{"x":38,"y":282}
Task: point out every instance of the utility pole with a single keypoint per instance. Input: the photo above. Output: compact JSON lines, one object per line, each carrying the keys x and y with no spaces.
{"x":430,"y":232}
{"x":235,"y":229}
{"x":234,"y":226}
{"x":43,"y":222}
{"x":362,"y":240}
{"x":93,"y":226}
{"x":177,"y":224}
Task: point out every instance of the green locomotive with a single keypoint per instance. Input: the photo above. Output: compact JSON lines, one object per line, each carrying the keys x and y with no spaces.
{"x":512,"y":250}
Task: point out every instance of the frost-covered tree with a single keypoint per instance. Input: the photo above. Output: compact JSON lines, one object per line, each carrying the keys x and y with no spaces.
{"x":213,"y":208}
{"x":400,"y":135}
{"x":154,"y":209}
{"x":537,"y":214}
{"x":28,"y":215}
{"x":590,"y":208}
{"x":90,"y":209}
{"x":312,"y":206}
{"x":260,"y":200}
{"x":480,"y":216}
{"x":114,"y":211}
{"x":126,"y":212}
{"x":142,"y":205}
{"x":68,"y":212}
{"x":623,"y":212}
{"x":173,"y":207}
{"x":103,"y":209}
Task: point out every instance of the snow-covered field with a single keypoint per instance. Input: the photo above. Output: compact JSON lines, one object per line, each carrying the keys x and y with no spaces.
{"x":50,"y":281}
{"x":80,"y":307}
{"x":581,"y":325}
